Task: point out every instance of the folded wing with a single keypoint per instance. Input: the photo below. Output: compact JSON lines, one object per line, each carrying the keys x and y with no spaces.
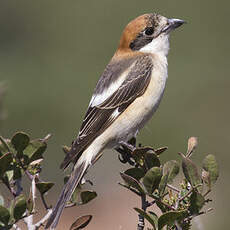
{"x":110,"y":100}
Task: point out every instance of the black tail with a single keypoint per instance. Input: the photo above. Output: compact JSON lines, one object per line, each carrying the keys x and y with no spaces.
{"x":67,"y":191}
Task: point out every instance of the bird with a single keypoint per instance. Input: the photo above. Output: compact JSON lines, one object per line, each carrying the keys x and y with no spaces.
{"x":125,"y":98}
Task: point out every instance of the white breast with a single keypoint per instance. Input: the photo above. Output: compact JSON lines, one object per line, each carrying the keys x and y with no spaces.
{"x":152,"y":97}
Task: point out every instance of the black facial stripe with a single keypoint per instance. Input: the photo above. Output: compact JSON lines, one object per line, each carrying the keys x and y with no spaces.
{"x":140,"y":41}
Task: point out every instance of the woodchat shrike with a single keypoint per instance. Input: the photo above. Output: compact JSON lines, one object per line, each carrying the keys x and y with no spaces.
{"x":125,"y":98}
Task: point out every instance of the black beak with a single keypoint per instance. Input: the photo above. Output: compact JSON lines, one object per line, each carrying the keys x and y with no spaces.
{"x":173,"y":23}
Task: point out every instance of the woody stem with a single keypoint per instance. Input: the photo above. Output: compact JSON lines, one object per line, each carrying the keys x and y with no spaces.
{"x":141,"y":222}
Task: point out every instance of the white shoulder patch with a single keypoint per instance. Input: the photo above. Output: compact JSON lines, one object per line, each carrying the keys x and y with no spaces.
{"x":97,"y":99}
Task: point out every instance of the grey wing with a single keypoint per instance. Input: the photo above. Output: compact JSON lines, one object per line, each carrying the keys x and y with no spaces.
{"x":100,"y":116}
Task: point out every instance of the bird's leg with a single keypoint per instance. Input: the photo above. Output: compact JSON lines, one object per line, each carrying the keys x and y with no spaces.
{"x":126,"y":149}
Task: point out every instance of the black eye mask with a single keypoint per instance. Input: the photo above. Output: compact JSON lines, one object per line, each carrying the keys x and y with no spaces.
{"x":142,"y":39}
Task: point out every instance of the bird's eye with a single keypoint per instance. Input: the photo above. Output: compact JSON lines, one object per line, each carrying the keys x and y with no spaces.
{"x":149,"y":31}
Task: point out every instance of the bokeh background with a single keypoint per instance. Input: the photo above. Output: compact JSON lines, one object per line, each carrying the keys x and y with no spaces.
{"x":51,"y":56}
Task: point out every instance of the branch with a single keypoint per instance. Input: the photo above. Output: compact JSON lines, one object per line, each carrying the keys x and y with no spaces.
{"x":190,"y":191}
{"x":32,"y":178}
{"x":141,"y":221}
{"x":19,"y":188}
{"x":16,"y":227}
{"x":43,"y":220}
{"x":173,"y":188}
{"x":29,"y":222}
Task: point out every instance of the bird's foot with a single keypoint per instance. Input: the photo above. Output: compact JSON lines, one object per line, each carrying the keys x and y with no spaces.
{"x":126,"y":149}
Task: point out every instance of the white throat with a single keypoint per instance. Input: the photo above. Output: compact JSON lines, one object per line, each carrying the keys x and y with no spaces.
{"x":159,"y":45}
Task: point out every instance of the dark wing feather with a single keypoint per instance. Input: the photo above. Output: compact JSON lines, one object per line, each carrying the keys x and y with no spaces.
{"x":99,"y":117}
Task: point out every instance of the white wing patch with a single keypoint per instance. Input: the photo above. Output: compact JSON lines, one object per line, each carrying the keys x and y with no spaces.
{"x":115,"y":113}
{"x":97,"y":99}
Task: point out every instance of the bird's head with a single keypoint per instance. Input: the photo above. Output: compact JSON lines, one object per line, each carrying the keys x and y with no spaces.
{"x":148,"y":33}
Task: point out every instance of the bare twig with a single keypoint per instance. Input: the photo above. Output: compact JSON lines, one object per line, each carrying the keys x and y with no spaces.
{"x":207,"y":193}
{"x":141,"y":221}
{"x":16,"y":227}
{"x":29,"y":219}
{"x":162,"y":202}
{"x":43,"y":220}
{"x":29,"y":175}
{"x":33,"y":192}
{"x":29,"y":222}
{"x":173,"y":188}
{"x":33,"y":178}
{"x":70,"y":205}
{"x":46,"y":138}
{"x":189,"y":192}
{"x":151,"y":203}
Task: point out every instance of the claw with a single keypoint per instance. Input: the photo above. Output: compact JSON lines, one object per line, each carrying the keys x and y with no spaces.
{"x":125,"y":151}
{"x":121,"y":159}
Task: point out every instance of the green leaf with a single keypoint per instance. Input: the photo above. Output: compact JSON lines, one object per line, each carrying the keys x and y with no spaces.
{"x":132,"y":182}
{"x":11,"y":210}
{"x":4,"y":215}
{"x":35,"y":149}
{"x":197,"y":201}
{"x":151,"y":160}
{"x":163,"y":183}
{"x":210,"y":165}
{"x":5,"y":162}
{"x":154,"y":217}
{"x":168,"y":218}
{"x":20,"y":141}
{"x":139,"y":153}
{"x":87,"y":196}
{"x":162,"y":207}
{"x":20,"y":207}
{"x":151,"y":217}
{"x":75,"y":195}
{"x":173,"y":168}
{"x":81,"y":222}
{"x":136,"y":173}
{"x":190,"y":172}
{"x":10,"y":174}
{"x":44,"y":187}
{"x":152,"y":179}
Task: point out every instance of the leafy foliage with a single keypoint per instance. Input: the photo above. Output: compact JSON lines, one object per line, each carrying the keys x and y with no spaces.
{"x":20,"y":156}
{"x":178,"y":205}
{"x":147,"y":178}
{"x":16,"y":161}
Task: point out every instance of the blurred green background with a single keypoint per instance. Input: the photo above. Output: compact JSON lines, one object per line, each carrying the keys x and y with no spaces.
{"x":51,"y":56}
